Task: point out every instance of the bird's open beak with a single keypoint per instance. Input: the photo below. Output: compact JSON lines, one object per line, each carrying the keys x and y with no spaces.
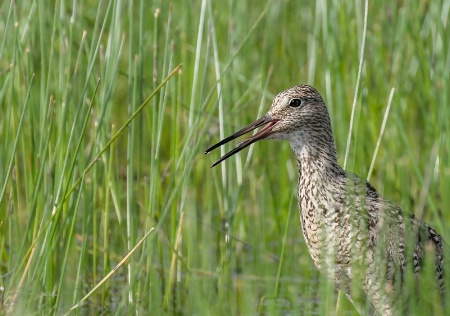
{"x":263,"y":133}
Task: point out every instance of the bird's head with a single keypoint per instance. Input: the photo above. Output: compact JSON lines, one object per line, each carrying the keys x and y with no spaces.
{"x":296,"y":115}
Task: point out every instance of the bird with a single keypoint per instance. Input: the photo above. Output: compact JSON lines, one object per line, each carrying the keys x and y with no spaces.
{"x":353,"y":234}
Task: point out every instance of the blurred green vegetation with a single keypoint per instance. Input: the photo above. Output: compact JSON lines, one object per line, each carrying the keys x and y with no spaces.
{"x":226,"y":240}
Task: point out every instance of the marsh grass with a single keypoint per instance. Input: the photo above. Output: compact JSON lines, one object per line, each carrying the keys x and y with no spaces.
{"x":98,"y":150}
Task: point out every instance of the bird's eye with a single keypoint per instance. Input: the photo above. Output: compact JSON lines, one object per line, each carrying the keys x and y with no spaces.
{"x":295,"y":103}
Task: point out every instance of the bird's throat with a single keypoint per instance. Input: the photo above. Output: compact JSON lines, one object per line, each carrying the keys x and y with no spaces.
{"x":316,"y":161}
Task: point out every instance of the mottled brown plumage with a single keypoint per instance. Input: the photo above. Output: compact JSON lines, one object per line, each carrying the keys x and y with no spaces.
{"x":352,"y":233}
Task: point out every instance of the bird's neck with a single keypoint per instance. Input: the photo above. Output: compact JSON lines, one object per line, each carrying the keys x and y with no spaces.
{"x":319,"y":180}
{"x":316,"y":158}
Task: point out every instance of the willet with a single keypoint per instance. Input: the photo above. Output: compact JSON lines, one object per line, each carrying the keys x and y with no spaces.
{"x":353,"y":234}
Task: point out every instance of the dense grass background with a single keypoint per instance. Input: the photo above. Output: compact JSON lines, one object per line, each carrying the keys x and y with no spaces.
{"x":79,"y":188}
